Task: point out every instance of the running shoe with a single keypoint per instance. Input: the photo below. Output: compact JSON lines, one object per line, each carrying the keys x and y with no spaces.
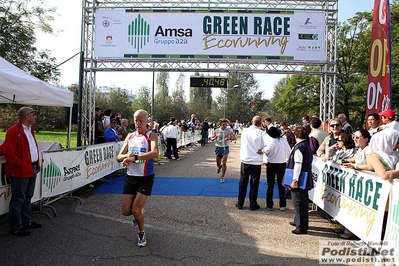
{"x":142,"y":241}
{"x":222,"y":180}
{"x":219,"y":168}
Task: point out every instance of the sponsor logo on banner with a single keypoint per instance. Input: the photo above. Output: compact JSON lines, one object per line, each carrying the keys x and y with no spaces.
{"x":301,"y":48}
{"x":98,"y":160}
{"x":51,"y":175}
{"x":71,"y":172}
{"x":314,"y":48}
{"x":106,"y":23}
{"x":308,"y":24}
{"x":108,"y":39}
{"x":138,"y":32}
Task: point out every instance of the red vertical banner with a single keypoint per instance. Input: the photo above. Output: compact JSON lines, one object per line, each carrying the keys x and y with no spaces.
{"x":379,"y":74}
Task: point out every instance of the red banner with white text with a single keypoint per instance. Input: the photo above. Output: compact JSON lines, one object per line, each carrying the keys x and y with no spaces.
{"x":379,"y":73}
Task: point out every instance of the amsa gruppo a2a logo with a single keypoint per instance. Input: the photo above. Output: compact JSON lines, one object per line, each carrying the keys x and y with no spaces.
{"x":138,"y":32}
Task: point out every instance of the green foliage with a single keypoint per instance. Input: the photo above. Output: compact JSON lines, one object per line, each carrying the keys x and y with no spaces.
{"x":116,"y":99}
{"x":143,"y":99}
{"x":162,"y":100}
{"x":18,"y":21}
{"x":53,"y":136}
{"x":178,"y":103}
{"x":242,"y":97}
{"x":353,"y":52}
{"x":200,"y":102}
{"x":296,"y":96}
{"x":395,"y":53}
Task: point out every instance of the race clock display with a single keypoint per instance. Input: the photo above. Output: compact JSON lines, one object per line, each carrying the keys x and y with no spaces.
{"x":208,"y":82}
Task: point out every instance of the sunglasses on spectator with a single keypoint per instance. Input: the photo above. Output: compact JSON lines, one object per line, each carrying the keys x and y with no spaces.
{"x":357,"y":137}
{"x":335,"y":125}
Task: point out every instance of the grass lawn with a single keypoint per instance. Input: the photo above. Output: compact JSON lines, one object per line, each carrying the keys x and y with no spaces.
{"x":53,"y":136}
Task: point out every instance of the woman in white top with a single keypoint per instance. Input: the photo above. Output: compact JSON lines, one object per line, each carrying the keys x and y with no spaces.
{"x":360,"y":160}
{"x":277,"y":151}
{"x":384,"y":155}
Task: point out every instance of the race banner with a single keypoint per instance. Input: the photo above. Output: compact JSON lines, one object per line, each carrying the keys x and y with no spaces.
{"x":67,"y":171}
{"x":356,"y":199}
{"x":379,"y":89}
{"x":392,"y":228}
{"x":226,"y":34}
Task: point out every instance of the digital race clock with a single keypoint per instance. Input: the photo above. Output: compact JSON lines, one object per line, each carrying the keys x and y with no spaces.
{"x":208,"y":82}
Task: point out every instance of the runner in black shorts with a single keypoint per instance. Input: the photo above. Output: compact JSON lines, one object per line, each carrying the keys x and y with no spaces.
{"x":141,"y":184}
{"x":136,"y":155}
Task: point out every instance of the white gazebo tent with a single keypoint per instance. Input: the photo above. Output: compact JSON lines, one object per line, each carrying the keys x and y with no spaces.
{"x":19,"y":87}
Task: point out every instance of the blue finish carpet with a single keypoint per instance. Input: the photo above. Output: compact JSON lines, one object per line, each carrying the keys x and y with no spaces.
{"x":183,"y":186}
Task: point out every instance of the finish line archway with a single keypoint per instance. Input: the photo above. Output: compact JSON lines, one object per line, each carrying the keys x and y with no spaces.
{"x":304,"y":30}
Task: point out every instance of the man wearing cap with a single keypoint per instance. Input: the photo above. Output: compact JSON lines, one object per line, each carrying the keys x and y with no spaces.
{"x":22,"y":164}
{"x":388,"y":119}
{"x":111,"y":133}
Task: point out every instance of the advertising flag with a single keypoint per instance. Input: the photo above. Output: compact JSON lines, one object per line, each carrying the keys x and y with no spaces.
{"x":379,"y":74}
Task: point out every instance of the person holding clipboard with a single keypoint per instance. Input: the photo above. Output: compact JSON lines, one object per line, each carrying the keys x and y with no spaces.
{"x":300,"y":165}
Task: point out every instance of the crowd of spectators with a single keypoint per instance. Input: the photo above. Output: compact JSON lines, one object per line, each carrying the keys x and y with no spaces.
{"x":372,"y":149}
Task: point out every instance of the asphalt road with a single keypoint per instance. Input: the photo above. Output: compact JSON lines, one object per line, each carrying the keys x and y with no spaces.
{"x":180,"y":230}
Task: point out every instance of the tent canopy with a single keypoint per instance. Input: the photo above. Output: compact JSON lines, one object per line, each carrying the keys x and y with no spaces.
{"x":19,"y":87}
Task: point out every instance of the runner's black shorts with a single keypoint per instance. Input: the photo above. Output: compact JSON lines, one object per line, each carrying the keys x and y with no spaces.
{"x":142,"y":184}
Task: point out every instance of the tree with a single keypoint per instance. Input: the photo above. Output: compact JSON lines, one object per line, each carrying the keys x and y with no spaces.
{"x":353,"y":52}
{"x":178,"y":102}
{"x":242,"y":97}
{"x":162,"y":99}
{"x":116,"y":99}
{"x":200,"y":102}
{"x":298,"y":95}
{"x":395,"y":52}
{"x":18,"y":21}
{"x":142,"y":99}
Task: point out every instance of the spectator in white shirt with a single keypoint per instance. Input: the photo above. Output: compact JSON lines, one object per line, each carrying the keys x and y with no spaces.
{"x":253,"y":140}
{"x":170,"y":134}
{"x":277,"y":151}
{"x":388,"y":119}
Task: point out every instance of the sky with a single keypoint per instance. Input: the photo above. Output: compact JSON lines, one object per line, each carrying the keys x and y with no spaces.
{"x":66,"y":43}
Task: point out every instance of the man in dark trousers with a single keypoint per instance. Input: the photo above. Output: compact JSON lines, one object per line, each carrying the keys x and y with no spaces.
{"x":253,"y":140}
{"x":170,"y":134}
{"x":22,"y":164}
{"x":204,"y":132}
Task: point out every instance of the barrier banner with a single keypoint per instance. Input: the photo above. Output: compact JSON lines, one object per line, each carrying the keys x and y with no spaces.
{"x":356,"y":199}
{"x":392,"y":228}
{"x":66,"y":171}
{"x":5,"y":189}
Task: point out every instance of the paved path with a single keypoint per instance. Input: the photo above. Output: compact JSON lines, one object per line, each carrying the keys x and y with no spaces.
{"x":180,"y":230}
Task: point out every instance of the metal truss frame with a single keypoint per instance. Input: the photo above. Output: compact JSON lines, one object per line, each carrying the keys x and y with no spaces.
{"x":91,"y":65}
